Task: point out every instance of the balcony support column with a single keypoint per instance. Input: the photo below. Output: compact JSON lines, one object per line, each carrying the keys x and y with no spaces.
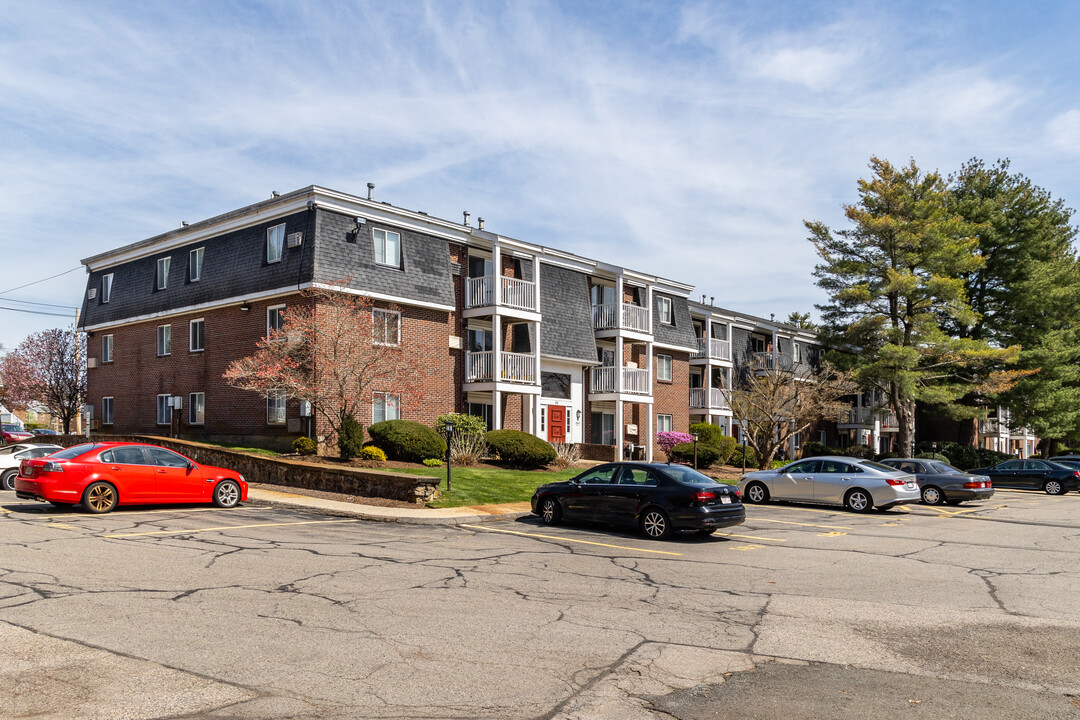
{"x":496,"y":271}
{"x":620,"y":364}
{"x":649,"y":432}
{"x":620,"y":430}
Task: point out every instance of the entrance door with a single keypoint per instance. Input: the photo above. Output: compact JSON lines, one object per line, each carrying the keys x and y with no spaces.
{"x":556,"y":423}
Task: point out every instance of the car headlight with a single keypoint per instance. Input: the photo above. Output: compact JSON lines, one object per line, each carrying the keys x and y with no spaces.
{"x":241,"y":477}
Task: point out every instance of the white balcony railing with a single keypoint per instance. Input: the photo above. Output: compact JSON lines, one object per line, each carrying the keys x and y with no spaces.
{"x":514,"y":293}
{"x":989,"y":427}
{"x":635,"y":380}
{"x":631,"y":317}
{"x":717,"y":350}
{"x":514,"y":367}
{"x":772,"y":361}
{"x":717,"y":398}
{"x":857,"y":416}
{"x":889,"y":421}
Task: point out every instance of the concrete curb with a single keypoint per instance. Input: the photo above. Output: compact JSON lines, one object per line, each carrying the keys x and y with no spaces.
{"x":375,"y":513}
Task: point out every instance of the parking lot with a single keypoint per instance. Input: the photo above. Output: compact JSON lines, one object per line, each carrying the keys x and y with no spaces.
{"x":803,"y":611}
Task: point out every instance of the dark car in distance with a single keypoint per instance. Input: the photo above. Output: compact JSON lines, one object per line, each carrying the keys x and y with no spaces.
{"x":940,"y":482}
{"x":1050,"y":477}
{"x":658,"y":499}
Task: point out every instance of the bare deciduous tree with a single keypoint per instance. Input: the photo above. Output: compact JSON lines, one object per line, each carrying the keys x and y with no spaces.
{"x":48,"y":367}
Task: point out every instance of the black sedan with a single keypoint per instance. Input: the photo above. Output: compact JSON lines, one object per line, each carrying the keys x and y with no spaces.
{"x":942,"y":483}
{"x":1050,"y":477}
{"x":659,"y":499}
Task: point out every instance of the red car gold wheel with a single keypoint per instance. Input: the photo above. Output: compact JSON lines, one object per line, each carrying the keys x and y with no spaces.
{"x":99,"y":498}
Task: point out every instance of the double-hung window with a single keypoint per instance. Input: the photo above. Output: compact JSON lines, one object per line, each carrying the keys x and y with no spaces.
{"x":164,"y":340}
{"x":197,"y":337}
{"x":106,"y":348}
{"x":664,"y":423}
{"x":164,"y":409}
{"x":196,"y":408}
{"x":275,"y":318}
{"x":663,"y":368}
{"x":275,"y":243}
{"x":106,"y":411}
{"x":665,"y":310}
{"x":106,"y":287}
{"x":387,"y":247}
{"x":195,"y":258}
{"x":385,"y":406}
{"x":163,"y":265}
{"x":275,"y":407}
{"x":386,"y":327}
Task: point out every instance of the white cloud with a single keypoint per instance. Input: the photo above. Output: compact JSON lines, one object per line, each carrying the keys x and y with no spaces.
{"x":1064,"y":131}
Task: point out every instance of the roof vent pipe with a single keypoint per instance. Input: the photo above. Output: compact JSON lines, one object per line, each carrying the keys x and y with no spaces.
{"x":274,"y":194}
{"x":712,"y":299}
{"x":480,"y":222}
{"x":466,"y":214}
{"x":371,"y":191}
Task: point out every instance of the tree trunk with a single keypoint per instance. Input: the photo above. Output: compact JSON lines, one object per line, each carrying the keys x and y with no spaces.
{"x":905,"y":418}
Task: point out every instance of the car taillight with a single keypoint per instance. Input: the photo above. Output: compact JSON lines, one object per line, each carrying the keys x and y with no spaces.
{"x":738,"y":494}
{"x":51,"y":466}
{"x":896,"y":481}
{"x":977,"y":485}
{"x":705,"y":496}
{"x":1076,"y":473}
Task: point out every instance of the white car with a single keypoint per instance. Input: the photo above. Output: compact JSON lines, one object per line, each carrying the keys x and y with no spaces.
{"x":12,"y":455}
{"x":858,"y":485}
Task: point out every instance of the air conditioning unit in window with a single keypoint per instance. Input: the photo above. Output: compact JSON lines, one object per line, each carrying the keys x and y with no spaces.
{"x":91,"y":293}
{"x":294,"y":239}
{"x":91,"y":363}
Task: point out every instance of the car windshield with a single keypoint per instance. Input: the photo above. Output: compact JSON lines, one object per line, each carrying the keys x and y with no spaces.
{"x":877,"y":466}
{"x":12,"y":428}
{"x":946,"y":469}
{"x":687,"y":475}
{"x":74,"y":451}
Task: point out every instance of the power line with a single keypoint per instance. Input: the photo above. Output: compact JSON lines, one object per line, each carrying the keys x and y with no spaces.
{"x":5,"y":292}
{"x":36,"y":312}
{"x":33,"y":302}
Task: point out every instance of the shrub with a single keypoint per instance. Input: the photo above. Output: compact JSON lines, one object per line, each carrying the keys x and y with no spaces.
{"x":932,"y":456}
{"x":520,"y":449}
{"x":886,"y":456}
{"x":668,"y":439}
{"x":776,"y":464}
{"x":407,"y":440}
{"x":305,"y":446}
{"x":467,"y":445}
{"x":350,"y":439}
{"x":967,"y":457}
{"x":566,"y":454}
{"x":737,"y":457}
{"x":863,"y":452}
{"x":707,"y":433}
{"x":726,"y":446}
{"x":813,"y":448}
{"x":370,"y":452}
{"x":707,"y":455}
{"x":433,"y":462}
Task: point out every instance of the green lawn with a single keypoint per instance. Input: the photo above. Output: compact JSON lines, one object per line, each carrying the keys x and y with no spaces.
{"x":486,"y":486}
{"x":254,"y":451}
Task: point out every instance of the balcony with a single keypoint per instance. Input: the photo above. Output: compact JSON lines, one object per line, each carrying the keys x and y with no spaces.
{"x":629,"y":317}
{"x":889,"y":421}
{"x":717,"y":399}
{"x":989,"y":427}
{"x":635,"y":380}
{"x":717,"y":350}
{"x":856,"y":416}
{"x":514,"y":367}
{"x":513,"y":293}
{"x":772,"y":361}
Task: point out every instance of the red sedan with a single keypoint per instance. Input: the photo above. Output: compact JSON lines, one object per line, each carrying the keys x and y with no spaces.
{"x":104,"y":475}
{"x":14,"y":434}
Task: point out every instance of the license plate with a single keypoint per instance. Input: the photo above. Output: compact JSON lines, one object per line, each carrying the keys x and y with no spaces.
{"x":725,"y":499}
{"x":911,"y":486}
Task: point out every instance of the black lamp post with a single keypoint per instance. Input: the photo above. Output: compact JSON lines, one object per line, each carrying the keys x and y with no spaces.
{"x":695,"y":436}
{"x":449,"y":428}
{"x":744,"y":451}
{"x":933,"y":446}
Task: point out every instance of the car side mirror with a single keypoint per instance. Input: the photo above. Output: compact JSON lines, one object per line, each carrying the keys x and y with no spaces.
{"x":190,"y":465}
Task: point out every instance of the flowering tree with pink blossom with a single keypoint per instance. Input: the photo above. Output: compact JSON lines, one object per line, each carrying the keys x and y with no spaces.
{"x":668,"y":439}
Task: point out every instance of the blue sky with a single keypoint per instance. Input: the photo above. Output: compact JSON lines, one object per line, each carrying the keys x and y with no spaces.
{"x":688,"y":139}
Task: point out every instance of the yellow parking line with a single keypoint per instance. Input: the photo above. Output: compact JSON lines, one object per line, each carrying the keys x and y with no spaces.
{"x":789,"y":522}
{"x":230,"y":527}
{"x":751,"y":537}
{"x":564,"y":539}
{"x":796,"y":507}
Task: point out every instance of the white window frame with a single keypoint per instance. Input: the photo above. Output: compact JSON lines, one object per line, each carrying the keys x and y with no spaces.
{"x":379,"y":399}
{"x":796,"y":352}
{"x":379,"y":327}
{"x":665,"y":310}
{"x":107,"y":410}
{"x":664,"y":361}
{"x":164,"y":340}
{"x":276,"y":404}
{"x":164,"y":402}
{"x":196,"y":408}
{"x":107,"y":348}
{"x":662,"y":420}
{"x":380,"y":239}
{"x":269,"y":310}
{"x":275,"y":240}
{"x":106,"y":288}
{"x":195,"y":260}
{"x":163,"y":266}
{"x":202,"y":335}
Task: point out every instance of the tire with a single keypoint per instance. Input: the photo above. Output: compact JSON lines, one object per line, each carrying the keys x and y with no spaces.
{"x":7,"y":480}
{"x":656,"y":524}
{"x":933,"y":496}
{"x":550,"y":511}
{"x":858,"y":500}
{"x":1054,"y":487}
{"x":99,"y":497}
{"x":756,"y":493}
{"x":227,"y":494}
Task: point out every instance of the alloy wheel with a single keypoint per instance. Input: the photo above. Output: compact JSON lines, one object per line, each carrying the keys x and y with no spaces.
{"x":1053,"y":487}
{"x":101,"y":498}
{"x":931,"y":496}
{"x":655,"y":524}
{"x":227,"y":494}
{"x":858,"y":501}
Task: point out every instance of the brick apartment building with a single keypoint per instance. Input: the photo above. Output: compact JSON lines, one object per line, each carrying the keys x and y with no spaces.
{"x":526,"y":336}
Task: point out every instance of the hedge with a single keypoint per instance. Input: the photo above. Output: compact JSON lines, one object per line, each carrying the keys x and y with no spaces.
{"x":520,"y":449}
{"x":707,"y":455}
{"x":407,"y":440}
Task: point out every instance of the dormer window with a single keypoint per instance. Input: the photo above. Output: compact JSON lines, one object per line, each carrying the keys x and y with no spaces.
{"x":163,"y":265}
{"x":275,"y":243}
{"x":665,"y":310}
{"x":387,"y":247}
{"x":106,"y":288}
{"x":195,"y":264}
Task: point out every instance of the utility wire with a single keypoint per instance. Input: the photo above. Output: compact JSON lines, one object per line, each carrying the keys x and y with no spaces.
{"x":5,"y":292}
{"x":33,"y":302}
{"x":36,"y":312}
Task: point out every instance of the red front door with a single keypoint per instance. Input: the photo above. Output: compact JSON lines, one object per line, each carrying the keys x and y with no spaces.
{"x":556,"y":424}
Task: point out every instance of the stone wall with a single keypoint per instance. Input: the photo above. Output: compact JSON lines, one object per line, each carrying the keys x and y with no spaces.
{"x":285,"y":471}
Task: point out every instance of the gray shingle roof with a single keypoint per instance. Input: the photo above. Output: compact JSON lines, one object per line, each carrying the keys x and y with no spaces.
{"x":681,"y":333}
{"x":566,"y":330}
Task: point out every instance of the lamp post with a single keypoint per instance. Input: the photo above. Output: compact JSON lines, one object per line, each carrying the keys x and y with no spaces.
{"x":449,"y":429}
{"x":933,"y":446}
{"x":695,"y":436}
{"x":744,"y":451}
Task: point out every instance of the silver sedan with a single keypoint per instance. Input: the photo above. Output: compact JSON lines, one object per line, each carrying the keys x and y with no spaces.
{"x":858,"y":485}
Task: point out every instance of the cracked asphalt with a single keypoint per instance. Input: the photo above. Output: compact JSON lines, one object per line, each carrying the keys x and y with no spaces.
{"x":802,"y":612}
